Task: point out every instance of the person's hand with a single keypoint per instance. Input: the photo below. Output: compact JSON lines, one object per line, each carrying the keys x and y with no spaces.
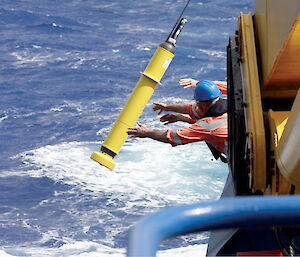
{"x":160,"y":107}
{"x":187,"y":83}
{"x":140,"y":131}
{"x":169,"y":118}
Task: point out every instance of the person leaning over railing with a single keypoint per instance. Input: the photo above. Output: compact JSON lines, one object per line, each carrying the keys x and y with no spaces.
{"x":207,"y":114}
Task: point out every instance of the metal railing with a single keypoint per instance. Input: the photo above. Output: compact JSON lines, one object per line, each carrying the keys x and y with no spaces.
{"x":237,"y":212}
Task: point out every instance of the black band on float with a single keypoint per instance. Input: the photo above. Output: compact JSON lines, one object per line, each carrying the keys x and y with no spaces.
{"x":107,"y":151}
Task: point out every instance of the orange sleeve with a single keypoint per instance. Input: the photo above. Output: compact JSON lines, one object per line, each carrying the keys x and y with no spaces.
{"x":222,"y":85}
{"x":194,"y":112}
{"x":187,"y":135}
{"x":170,"y":137}
{"x":196,"y":133}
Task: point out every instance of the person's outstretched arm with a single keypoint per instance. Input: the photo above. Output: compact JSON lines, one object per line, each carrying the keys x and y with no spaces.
{"x":187,"y":83}
{"x":174,"y":117}
{"x":192,"y":83}
{"x":179,"y":108}
{"x":144,"y":132}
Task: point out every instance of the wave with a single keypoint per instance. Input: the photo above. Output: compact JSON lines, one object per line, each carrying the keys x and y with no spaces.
{"x":143,"y":167}
{"x":105,"y":204}
{"x":52,"y":28}
{"x":92,"y":249}
{"x":3,"y":118}
{"x":28,"y":17}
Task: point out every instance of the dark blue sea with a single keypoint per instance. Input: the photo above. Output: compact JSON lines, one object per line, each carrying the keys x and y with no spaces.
{"x":66,"y":70}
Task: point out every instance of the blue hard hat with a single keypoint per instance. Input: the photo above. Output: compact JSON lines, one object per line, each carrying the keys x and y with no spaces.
{"x":206,"y":90}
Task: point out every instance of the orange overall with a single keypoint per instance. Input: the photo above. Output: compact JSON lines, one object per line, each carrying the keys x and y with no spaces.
{"x":213,"y":130}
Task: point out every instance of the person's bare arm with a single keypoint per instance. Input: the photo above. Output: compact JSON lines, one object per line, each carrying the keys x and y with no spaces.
{"x":174,"y":117}
{"x":179,"y":108}
{"x":187,"y":83}
{"x":144,"y":132}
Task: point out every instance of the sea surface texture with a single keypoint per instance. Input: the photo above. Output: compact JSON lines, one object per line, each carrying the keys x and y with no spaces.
{"x":66,"y":71}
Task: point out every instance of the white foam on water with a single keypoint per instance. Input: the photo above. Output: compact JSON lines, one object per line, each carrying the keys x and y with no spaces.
{"x":190,"y":251}
{"x":76,"y":249}
{"x":4,"y":254}
{"x":40,"y":56}
{"x":91,"y":249}
{"x":3,"y":118}
{"x":144,"y":168}
{"x":149,"y":175}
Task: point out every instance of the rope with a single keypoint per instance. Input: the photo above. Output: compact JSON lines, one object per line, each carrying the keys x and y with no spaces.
{"x":178,"y":19}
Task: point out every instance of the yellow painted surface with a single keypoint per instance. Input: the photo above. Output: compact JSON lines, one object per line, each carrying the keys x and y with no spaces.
{"x":134,"y":106}
{"x":277,"y":121}
{"x":280,"y":118}
{"x":158,"y":64}
{"x":104,"y":159}
{"x":252,"y":96}
{"x":277,"y":30}
{"x":130,"y":113}
{"x":285,"y":75}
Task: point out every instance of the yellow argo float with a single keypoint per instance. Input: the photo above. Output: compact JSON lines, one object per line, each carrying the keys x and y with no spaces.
{"x":138,"y":99}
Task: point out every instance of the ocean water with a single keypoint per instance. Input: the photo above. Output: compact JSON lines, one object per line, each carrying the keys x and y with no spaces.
{"x":66,"y":70}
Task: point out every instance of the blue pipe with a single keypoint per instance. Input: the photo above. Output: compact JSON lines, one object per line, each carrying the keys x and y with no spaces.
{"x":237,"y":212}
